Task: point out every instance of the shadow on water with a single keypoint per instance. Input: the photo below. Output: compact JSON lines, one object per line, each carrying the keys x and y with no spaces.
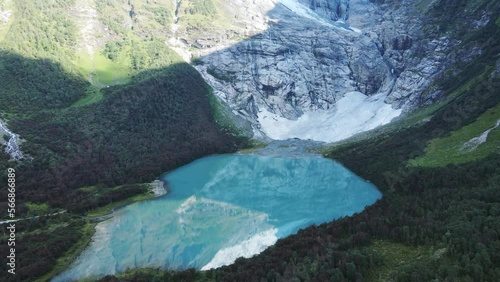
{"x":137,"y":131}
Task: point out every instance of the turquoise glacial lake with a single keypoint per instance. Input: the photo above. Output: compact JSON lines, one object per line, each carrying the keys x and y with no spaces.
{"x":220,"y":208}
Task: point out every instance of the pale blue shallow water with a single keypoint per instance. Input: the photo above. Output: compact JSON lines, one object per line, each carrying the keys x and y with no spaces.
{"x":222,"y":207}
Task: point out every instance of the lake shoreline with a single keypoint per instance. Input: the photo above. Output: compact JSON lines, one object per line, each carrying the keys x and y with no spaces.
{"x":284,"y":187}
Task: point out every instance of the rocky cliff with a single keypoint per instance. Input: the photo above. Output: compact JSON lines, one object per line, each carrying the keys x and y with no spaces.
{"x":288,"y":68}
{"x":301,"y":57}
{"x":317,"y":69}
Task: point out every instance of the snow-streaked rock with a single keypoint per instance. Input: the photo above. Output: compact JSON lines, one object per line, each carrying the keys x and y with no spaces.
{"x":303,"y":56}
{"x":12,"y":144}
{"x":472,"y":144}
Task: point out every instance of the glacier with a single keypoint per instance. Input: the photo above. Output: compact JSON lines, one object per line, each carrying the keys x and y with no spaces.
{"x":352,"y":114}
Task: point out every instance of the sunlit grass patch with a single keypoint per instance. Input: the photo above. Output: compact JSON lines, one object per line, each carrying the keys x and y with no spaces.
{"x":37,"y":209}
{"x":94,"y":95}
{"x":452,"y":149}
{"x":395,"y":256}
{"x":101,"y":71}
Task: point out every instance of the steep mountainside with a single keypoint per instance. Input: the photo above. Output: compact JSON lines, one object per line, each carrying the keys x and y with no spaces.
{"x":97,"y":96}
{"x":94,"y":114}
{"x":438,"y":169}
{"x":294,"y":76}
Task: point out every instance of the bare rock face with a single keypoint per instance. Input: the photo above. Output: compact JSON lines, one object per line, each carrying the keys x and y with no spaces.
{"x":11,"y":143}
{"x":329,"y":9}
{"x":414,"y":58}
{"x":303,"y":56}
{"x":291,"y":68}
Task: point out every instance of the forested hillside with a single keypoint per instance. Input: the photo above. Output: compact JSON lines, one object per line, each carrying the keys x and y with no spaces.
{"x":103,"y":106}
{"x":439,"y":217}
{"x":90,"y":138}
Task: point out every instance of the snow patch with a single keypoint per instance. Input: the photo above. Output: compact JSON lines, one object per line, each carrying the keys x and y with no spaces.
{"x":303,"y":11}
{"x":5,"y":16}
{"x":472,"y":144}
{"x":248,"y":248}
{"x":354,"y":113}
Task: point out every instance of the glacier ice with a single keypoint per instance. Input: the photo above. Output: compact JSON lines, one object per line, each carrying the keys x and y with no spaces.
{"x":354,"y":113}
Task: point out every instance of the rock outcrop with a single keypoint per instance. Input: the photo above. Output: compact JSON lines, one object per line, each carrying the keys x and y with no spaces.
{"x":12,"y":144}
{"x":295,"y":59}
{"x":329,"y":9}
{"x":159,"y":188}
{"x":309,"y":53}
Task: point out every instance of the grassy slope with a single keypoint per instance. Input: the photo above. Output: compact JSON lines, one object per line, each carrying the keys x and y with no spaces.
{"x":6,"y":5}
{"x":62,"y":262}
{"x":351,"y":154}
{"x":103,"y":71}
{"x":107,"y":209}
{"x":395,"y":256}
{"x":447,"y":150}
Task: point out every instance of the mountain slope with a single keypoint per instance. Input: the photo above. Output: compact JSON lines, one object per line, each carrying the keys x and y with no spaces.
{"x":438,"y":223}
{"x":309,"y":57}
{"x":100,"y":113}
{"x":90,"y":137}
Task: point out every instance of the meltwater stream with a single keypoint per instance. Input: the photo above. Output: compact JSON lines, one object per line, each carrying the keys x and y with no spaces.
{"x":221,"y":208}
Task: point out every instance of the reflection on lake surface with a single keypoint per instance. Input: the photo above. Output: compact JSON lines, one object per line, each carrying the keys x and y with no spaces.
{"x":220,"y":208}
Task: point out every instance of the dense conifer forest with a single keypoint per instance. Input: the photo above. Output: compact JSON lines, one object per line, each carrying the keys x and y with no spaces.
{"x":90,"y":145}
{"x":94,"y":144}
{"x":433,"y":223}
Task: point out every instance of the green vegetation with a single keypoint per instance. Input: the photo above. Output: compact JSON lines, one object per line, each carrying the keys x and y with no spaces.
{"x":94,"y":95}
{"x":149,"y":274}
{"x":8,"y":7}
{"x":252,"y":146}
{"x":57,"y":239}
{"x":102,"y":71}
{"x":155,"y":16}
{"x":42,"y":29}
{"x":122,"y":60}
{"x":222,"y":115}
{"x":30,"y":85}
{"x":107,"y":209}
{"x":395,"y":257}
{"x":200,"y":15}
{"x":63,"y":262}
{"x":452,"y":149}
{"x":162,"y":15}
{"x":98,"y":201}
{"x":37,"y":209}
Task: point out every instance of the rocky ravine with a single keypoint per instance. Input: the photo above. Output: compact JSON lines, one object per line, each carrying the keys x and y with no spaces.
{"x":12,"y":143}
{"x":308,"y":57}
